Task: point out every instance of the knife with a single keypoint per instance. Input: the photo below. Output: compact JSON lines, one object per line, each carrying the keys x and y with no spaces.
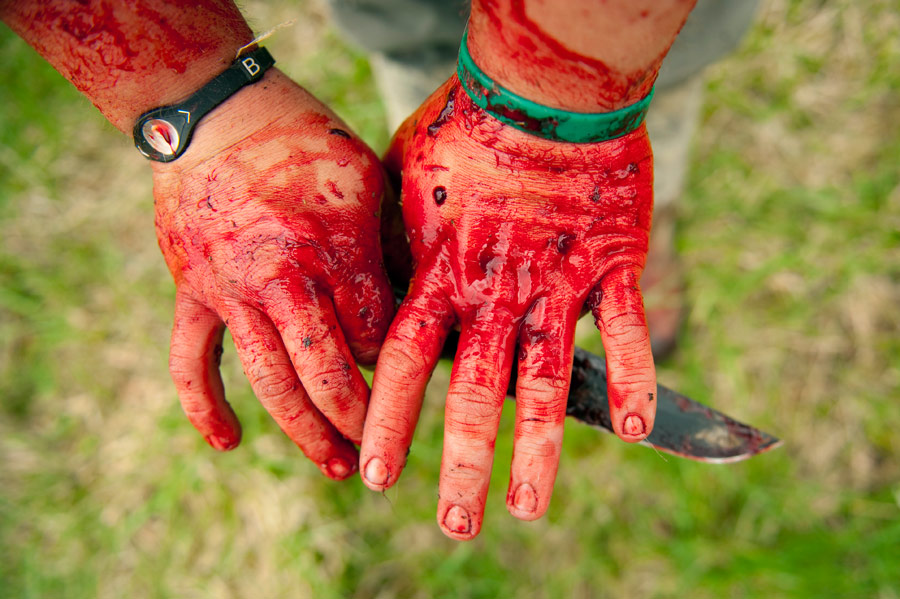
{"x":683,"y":427}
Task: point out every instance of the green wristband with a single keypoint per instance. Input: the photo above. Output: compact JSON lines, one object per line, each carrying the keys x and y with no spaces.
{"x":540,"y":120}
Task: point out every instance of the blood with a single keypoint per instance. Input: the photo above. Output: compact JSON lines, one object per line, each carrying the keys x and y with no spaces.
{"x":129,"y":57}
{"x":284,"y":236}
{"x":444,"y":115}
{"x":520,"y":54}
{"x":564,"y":242}
{"x":520,"y":118}
{"x":564,"y":56}
{"x":631,"y":169}
{"x":333,"y":188}
{"x":519,"y":202}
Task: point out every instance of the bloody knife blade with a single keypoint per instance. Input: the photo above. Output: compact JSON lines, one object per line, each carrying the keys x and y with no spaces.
{"x":683,"y":427}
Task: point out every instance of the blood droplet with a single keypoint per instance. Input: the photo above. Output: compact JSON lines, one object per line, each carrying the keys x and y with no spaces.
{"x":564,"y":242}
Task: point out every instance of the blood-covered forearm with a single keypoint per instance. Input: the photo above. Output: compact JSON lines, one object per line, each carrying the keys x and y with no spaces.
{"x":578,"y":55}
{"x":129,"y":57}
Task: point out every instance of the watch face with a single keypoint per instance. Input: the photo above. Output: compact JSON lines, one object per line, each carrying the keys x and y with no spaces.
{"x":161,"y":135}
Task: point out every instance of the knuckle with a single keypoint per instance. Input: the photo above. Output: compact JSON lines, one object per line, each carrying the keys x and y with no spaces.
{"x":399,"y":354}
{"x":540,"y":423}
{"x":286,"y":412}
{"x":625,"y":324}
{"x":404,"y":365}
{"x":184,"y":377}
{"x":333,"y":388}
{"x":460,"y":473}
{"x":540,"y":389}
{"x":478,"y":392}
{"x":199,"y":412}
{"x":631,"y":345}
{"x":537,"y":447}
{"x":473,"y":413}
{"x":625,"y":386}
{"x":339,"y":402}
{"x":631,"y":362}
{"x":275,"y":385}
{"x":179,"y":357}
{"x":390,"y":424}
{"x":397,"y":383}
{"x":473,"y":426}
{"x":389,"y":430}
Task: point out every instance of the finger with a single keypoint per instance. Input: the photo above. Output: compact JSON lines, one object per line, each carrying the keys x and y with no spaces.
{"x":194,"y":356}
{"x":271,"y":374}
{"x":364,"y":309}
{"x":407,"y":359}
{"x":317,"y":348}
{"x":542,"y":390}
{"x":631,"y":374}
{"x":474,"y":401}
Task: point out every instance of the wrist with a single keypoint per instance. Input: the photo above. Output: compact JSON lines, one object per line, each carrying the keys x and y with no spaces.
{"x":164,"y":133}
{"x":246,"y":125}
{"x":575,"y":55}
{"x":544,"y":121}
{"x":156,"y":88}
{"x":247,"y":111}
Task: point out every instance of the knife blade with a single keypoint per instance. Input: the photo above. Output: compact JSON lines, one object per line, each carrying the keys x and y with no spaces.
{"x":683,"y":427}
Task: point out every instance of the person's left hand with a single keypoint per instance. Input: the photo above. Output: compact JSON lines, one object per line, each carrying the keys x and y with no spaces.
{"x":269,"y":224}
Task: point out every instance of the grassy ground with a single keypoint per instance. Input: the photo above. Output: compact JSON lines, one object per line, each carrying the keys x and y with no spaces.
{"x":791,"y":230}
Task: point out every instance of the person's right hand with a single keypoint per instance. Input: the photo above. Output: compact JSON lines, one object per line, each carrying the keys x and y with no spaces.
{"x":512,"y":236}
{"x":269,"y":224}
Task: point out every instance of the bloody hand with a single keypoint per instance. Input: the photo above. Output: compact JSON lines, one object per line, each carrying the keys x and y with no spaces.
{"x":512,"y":235}
{"x":269,"y":224}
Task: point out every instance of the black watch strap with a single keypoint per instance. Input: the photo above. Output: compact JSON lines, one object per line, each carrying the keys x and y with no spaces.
{"x":163,"y":134}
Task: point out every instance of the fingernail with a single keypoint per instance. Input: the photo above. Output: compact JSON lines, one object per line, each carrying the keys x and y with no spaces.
{"x":338,"y":468}
{"x":221,"y":443}
{"x":457,"y":520}
{"x":525,"y":499}
{"x":376,"y":472}
{"x":633,"y":425}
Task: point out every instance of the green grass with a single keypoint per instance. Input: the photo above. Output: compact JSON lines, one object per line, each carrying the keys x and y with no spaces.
{"x":789,"y":230}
